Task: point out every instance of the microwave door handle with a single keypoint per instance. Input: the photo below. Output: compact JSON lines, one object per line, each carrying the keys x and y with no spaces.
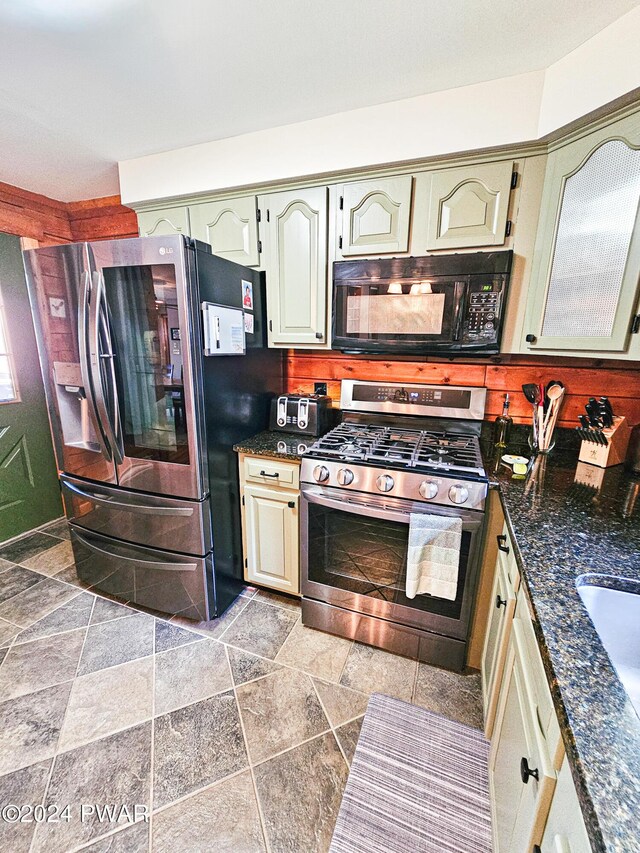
{"x":96,"y":368}
{"x":460,"y":292}
{"x":85,"y":367}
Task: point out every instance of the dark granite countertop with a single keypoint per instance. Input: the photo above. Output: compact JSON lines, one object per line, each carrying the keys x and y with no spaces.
{"x":563,"y":529}
{"x":275,"y":445}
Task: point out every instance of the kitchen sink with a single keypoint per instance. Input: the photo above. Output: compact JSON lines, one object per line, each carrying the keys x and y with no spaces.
{"x":616,"y":617}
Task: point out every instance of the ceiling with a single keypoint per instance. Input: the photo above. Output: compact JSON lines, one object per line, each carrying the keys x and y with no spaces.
{"x":86,"y":84}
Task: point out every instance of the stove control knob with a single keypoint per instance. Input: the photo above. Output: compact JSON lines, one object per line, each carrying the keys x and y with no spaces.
{"x":385,"y":482}
{"x":345,"y":476}
{"x":320,"y":473}
{"x":458,"y":493}
{"x":428,"y":489}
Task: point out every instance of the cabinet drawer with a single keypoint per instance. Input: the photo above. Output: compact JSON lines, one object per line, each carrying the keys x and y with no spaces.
{"x":160,"y":580}
{"x":537,"y":682}
{"x":277,"y":474}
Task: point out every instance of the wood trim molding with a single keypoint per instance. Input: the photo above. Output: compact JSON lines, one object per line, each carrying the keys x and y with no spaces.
{"x":47,"y":221}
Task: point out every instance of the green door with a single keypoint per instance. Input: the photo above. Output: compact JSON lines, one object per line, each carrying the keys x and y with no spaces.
{"x":29,"y":491}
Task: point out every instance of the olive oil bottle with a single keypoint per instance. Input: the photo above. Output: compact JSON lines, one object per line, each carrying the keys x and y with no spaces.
{"x":502,"y":425}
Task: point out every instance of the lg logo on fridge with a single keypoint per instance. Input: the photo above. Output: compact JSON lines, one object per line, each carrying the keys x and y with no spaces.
{"x":165,"y":250}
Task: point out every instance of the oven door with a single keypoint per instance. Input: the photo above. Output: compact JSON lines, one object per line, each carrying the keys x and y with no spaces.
{"x":354,"y":556}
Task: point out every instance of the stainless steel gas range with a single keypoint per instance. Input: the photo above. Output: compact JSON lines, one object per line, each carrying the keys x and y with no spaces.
{"x":400,"y":450}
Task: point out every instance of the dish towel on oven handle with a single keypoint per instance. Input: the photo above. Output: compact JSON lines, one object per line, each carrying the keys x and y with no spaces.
{"x":434,"y":555}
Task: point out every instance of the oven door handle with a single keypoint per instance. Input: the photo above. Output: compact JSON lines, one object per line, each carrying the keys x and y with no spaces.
{"x":471,"y":519}
{"x":357,"y":507}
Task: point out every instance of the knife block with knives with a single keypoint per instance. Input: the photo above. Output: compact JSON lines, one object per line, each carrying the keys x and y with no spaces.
{"x":605,"y":437}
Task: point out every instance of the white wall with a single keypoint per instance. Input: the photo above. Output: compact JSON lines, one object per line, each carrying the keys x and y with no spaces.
{"x":497,"y":112}
{"x":600,"y":70}
{"x":485,"y":114}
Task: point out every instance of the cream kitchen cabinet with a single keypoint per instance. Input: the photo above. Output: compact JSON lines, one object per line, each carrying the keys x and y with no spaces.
{"x":373,"y":216}
{"x":230,"y":226}
{"x":462,"y":207}
{"x":270,"y":500}
{"x":583,"y":295}
{"x":502,"y":607}
{"x":521,"y":774}
{"x":565,"y":831}
{"x":526,"y":749}
{"x":293,"y":229}
{"x":169,"y":220}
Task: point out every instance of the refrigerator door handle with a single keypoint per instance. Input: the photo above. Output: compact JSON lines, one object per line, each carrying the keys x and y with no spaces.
{"x":85,"y":370}
{"x":147,"y":564}
{"x":96,"y":320}
{"x":138,"y":509}
{"x":109,"y":355}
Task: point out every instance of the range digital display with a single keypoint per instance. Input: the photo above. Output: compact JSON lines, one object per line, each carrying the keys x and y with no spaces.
{"x":436,"y":397}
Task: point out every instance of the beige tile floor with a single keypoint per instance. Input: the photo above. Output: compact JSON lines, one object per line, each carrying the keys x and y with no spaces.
{"x":235,"y":735}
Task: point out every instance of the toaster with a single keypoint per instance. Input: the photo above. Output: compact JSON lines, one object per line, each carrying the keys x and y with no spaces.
{"x":297,"y":413}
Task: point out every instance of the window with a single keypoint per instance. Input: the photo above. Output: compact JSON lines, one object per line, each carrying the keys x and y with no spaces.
{"x":8,"y":390}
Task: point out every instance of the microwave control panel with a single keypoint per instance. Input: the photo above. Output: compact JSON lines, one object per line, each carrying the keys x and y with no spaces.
{"x":483,"y":312}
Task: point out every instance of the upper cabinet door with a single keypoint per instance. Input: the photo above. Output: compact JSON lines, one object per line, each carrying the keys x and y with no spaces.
{"x":230,"y":227}
{"x":294,"y":228}
{"x":170,"y":220}
{"x":468,"y":206}
{"x":586,"y":267}
{"x":375,"y":216}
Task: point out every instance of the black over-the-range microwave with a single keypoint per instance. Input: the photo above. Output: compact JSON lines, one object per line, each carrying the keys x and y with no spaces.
{"x":434,"y":305}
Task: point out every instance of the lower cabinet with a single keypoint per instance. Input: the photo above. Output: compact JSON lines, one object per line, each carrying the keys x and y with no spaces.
{"x":534,"y":804}
{"x":270,"y":507}
{"x":501,"y":609}
{"x":521,"y":776}
{"x":565,"y":831}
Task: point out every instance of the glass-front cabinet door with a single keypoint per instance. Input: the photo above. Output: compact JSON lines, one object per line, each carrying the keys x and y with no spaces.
{"x":146,"y":370}
{"x":586,"y":270}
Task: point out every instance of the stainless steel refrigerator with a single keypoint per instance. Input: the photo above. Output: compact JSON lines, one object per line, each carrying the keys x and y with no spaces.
{"x":154,"y":358}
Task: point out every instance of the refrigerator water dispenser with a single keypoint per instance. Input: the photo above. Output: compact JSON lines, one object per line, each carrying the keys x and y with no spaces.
{"x":73,"y":407}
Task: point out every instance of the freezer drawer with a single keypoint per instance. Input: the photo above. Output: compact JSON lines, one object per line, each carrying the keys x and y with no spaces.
{"x":166,"y":523}
{"x":160,"y":580}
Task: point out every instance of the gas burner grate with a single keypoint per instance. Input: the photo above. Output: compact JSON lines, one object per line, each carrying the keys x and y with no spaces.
{"x":401,"y":448}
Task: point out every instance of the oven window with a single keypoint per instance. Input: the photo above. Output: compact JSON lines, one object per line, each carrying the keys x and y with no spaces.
{"x":368,"y":556}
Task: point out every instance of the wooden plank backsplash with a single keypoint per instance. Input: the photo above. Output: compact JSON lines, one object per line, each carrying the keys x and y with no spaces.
{"x":583,"y":378}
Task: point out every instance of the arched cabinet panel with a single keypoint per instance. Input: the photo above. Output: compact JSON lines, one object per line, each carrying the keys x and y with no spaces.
{"x":468,"y":206}
{"x":230,"y":227}
{"x":375,"y":216}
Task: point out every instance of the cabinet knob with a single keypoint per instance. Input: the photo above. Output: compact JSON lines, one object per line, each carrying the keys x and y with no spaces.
{"x":291,"y":504}
{"x":531,"y":339}
{"x":502,"y":539}
{"x":526,"y":772}
{"x":500,"y":602}
{"x":319,"y":335}
{"x":536,"y":849}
